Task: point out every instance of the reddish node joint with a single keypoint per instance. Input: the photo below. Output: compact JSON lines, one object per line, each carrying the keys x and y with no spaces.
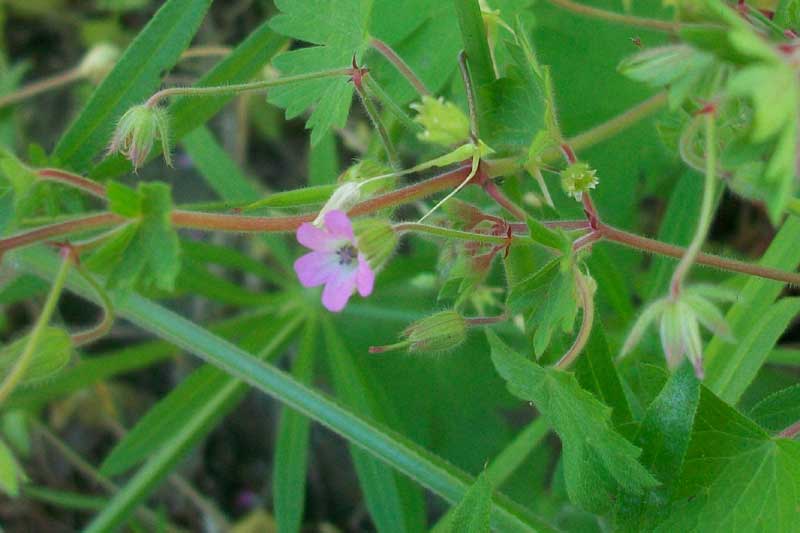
{"x":637,"y":41}
{"x":709,"y":108}
{"x":66,"y":251}
{"x":357,"y":74}
{"x":507,"y":245}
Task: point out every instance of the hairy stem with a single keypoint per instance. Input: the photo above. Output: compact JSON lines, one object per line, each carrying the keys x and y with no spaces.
{"x":401,"y":66}
{"x":41,"y":86}
{"x":243,"y":87}
{"x":20,"y":367}
{"x":87,"y":223}
{"x":619,"y":123}
{"x":374,"y":89}
{"x":497,"y":195}
{"x":68,"y":178}
{"x":630,"y":20}
{"x":586,"y":294}
{"x":377,"y":123}
{"x":706,"y":209}
{"x":405,"y":227}
{"x":657,"y":247}
{"x":106,"y":322}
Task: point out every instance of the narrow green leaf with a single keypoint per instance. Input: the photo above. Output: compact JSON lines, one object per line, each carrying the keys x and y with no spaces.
{"x":291,"y":448}
{"x":217,"y":167}
{"x":472,"y":513}
{"x":751,"y":352}
{"x":396,"y":450}
{"x":135,"y":77}
{"x":382,"y":488}
{"x":98,"y":368}
{"x":52,"y":354}
{"x":206,"y":396}
{"x":506,"y":462}
{"x":10,"y":471}
{"x":754,"y":300}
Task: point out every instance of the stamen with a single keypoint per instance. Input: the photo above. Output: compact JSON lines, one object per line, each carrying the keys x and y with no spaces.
{"x":347,"y":254}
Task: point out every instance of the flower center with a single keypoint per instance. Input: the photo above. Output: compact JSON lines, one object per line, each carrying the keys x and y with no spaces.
{"x":347,"y":254}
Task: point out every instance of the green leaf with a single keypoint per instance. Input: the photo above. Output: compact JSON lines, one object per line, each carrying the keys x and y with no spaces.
{"x":123,"y":200}
{"x":340,"y":32}
{"x":92,"y":370}
{"x":752,"y":350}
{"x":778,"y":411}
{"x":664,"y":436}
{"x":787,"y":14}
{"x":291,"y":448}
{"x":203,"y":398}
{"x":217,"y":167}
{"x":393,"y":505}
{"x":135,"y":77}
{"x":52,"y":354}
{"x":736,"y":478}
{"x":396,"y":450}
{"x":755,"y":299}
{"x":10,"y":472}
{"x":472,"y":512}
{"x":147,"y":250}
{"x":595,"y":371}
{"x":597,"y":460}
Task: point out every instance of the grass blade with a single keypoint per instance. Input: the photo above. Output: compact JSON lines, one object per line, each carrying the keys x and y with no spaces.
{"x":137,"y":75}
{"x":291,"y":449}
{"x":419,"y":464}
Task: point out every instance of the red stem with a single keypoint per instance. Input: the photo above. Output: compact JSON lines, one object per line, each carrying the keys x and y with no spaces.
{"x":74,"y":180}
{"x":653,"y":246}
{"x":791,"y":431}
{"x":91,"y":222}
{"x":400,"y":65}
{"x":492,"y":190}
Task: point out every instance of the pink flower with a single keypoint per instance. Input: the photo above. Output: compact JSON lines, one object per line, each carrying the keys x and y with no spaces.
{"x":335,"y":261}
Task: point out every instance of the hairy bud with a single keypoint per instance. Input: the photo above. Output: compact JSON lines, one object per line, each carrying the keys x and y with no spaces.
{"x":445,"y":124}
{"x":136,"y":132}
{"x":376,"y":239}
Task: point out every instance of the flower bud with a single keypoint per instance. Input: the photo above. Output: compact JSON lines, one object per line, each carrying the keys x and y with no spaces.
{"x":376,"y":239}
{"x":343,"y":198}
{"x":436,"y":333}
{"x":444,"y":122}
{"x":98,"y":62}
{"x":136,"y":132}
{"x":577,"y":179}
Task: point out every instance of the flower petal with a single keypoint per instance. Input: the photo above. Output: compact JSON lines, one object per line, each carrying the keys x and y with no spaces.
{"x":338,"y":225}
{"x":316,"y":268}
{"x":338,"y":290}
{"x":312,"y":237}
{"x":365,"y":277}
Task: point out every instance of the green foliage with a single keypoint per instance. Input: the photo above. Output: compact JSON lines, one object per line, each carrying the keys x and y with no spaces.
{"x":52,"y":354}
{"x":146,"y":251}
{"x":340,"y":33}
{"x":778,"y":411}
{"x":739,"y":478}
{"x":471,"y":515}
{"x":597,"y":460}
{"x":136,"y":76}
{"x":10,"y":472}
